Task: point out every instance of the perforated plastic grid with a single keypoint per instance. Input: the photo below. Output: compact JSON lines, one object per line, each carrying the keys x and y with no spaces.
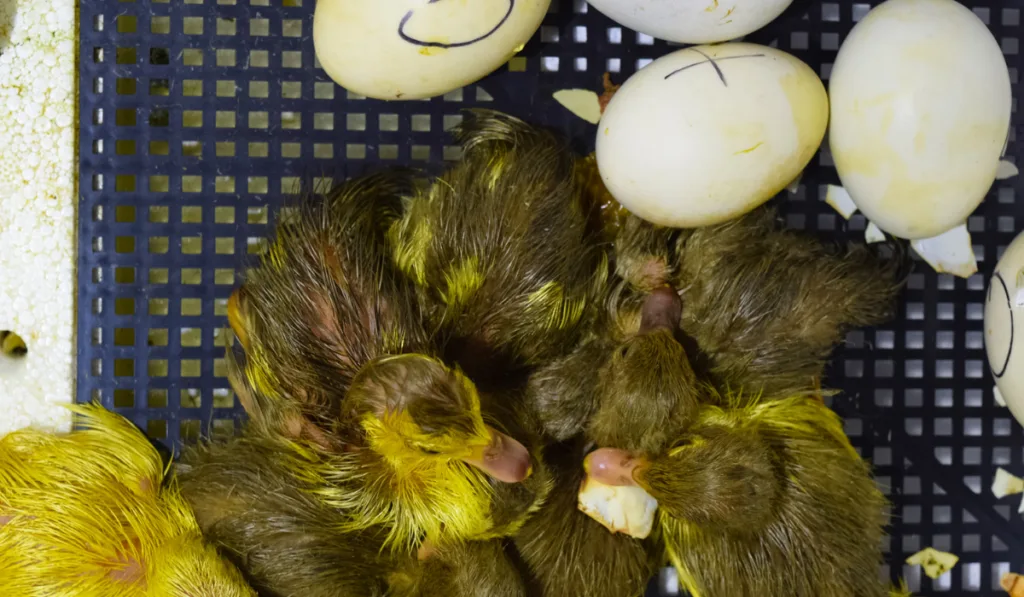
{"x":199,"y":117}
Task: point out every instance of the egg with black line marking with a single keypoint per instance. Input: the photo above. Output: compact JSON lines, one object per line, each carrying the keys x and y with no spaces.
{"x":708,"y":133}
{"x":693,"y":21}
{"x":1004,"y":326}
{"x":416,"y":49}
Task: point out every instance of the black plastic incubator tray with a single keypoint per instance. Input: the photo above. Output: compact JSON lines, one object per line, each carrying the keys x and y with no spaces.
{"x":200,"y":117}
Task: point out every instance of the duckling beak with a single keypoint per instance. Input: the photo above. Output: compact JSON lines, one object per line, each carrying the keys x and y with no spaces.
{"x":505,"y":459}
{"x":611,"y":466}
{"x":662,"y":310}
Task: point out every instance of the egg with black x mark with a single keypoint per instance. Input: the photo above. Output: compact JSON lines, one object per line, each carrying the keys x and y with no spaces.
{"x":415,"y":49}
{"x":708,"y":133}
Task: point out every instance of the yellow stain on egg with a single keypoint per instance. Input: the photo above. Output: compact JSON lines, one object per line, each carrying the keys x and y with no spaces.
{"x":749,"y":149}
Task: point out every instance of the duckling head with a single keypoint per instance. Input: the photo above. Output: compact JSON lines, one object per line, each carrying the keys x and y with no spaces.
{"x":420,"y":415}
{"x":716,"y":479}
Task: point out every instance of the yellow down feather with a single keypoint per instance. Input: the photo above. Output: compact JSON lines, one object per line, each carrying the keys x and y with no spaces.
{"x":88,"y":514}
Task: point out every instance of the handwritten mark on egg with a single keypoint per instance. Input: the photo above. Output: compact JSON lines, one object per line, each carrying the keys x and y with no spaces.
{"x":461,"y":44}
{"x":713,"y":63}
{"x":1009,"y":309}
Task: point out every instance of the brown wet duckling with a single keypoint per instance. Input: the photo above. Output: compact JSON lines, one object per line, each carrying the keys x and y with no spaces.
{"x":336,"y":356}
{"x":766,"y":305}
{"x":569,"y":554}
{"x":417,"y":457}
{"x":253,"y":500}
{"x":756,"y":496}
{"x":761,"y":310}
{"x":761,"y":498}
{"x":252,"y":507}
{"x":324,"y":301}
{"x":502,"y":247}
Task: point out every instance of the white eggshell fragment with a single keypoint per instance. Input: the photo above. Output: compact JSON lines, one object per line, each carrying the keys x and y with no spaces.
{"x":708,"y":133}
{"x":1005,"y":484}
{"x":949,"y":253}
{"x":840,"y":201}
{"x":620,"y":509}
{"x":693,"y":21}
{"x":415,"y":49}
{"x":1006,"y":169}
{"x":1004,"y":328}
{"x":581,"y":102}
{"x":873,"y":234}
{"x":921,"y":102}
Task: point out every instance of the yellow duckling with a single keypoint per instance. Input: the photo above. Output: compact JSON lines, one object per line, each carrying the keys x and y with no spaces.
{"x":88,"y":515}
{"x":426,"y":460}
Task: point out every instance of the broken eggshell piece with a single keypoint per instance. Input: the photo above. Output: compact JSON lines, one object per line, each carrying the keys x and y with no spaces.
{"x":949,"y":253}
{"x":708,"y":133}
{"x":619,"y":508}
{"x":921,"y":102}
{"x":1004,"y":327}
{"x":414,"y":49}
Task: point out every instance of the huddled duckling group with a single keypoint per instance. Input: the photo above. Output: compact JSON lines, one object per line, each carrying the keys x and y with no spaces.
{"x":433,"y":368}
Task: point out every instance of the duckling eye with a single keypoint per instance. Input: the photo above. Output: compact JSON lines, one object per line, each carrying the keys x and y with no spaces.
{"x":623,"y":352}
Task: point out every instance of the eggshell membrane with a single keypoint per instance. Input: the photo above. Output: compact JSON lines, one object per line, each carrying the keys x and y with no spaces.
{"x":921,"y":103}
{"x":693,"y":21}
{"x":689,"y":143}
{"x":1004,"y":327}
{"x":447,"y":44}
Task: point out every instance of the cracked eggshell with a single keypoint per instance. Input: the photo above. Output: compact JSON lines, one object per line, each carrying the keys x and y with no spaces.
{"x":693,"y":21}
{"x":689,"y":142}
{"x":921,"y":103}
{"x":413,"y":49}
{"x":1004,"y":327}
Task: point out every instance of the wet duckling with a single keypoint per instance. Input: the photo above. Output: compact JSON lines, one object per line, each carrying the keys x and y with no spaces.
{"x":502,"y":247}
{"x":89,"y":513}
{"x":325,"y":301}
{"x":571,"y":554}
{"x":761,"y":498}
{"x":250,"y":505}
{"x":764,"y":304}
{"x":420,"y":457}
{"x":432,"y":463}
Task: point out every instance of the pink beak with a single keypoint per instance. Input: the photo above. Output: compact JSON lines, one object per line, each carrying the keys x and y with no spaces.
{"x":611,"y":466}
{"x":505,"y":459}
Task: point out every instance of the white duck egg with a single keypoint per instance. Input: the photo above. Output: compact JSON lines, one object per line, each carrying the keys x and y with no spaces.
{"x":708,"y":133}
{"x":415,"y":49}
{"x":1004,"y":326}
{"x":921,"y":102}
{"x":693,"y":21}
